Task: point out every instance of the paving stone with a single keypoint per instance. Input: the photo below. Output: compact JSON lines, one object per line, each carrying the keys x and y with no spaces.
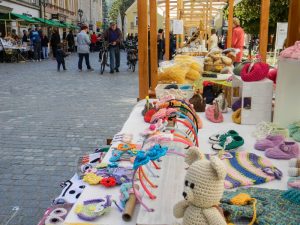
{"x":49,"y":119}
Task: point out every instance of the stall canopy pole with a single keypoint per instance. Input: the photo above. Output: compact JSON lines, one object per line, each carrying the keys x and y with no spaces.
{"x":294,"y":23}
{"x":143,"y":48}
{"x":264,"y":29}
{"x":178,"y":17}
{"x":153,"y":43}
{"x":181,"y":14}
{"x":230,"y":23}
{"x":167,"y":32}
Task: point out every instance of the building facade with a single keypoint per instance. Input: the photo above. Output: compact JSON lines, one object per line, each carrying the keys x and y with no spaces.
{"x":92,"y":13}
{"x":29,"y":8}
{"x":131,"y":20}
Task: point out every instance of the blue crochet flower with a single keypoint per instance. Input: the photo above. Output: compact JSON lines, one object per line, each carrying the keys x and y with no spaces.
{"x":156,"y":152}
{"x":140,"y":159}
{"x":116,"y":155}
{"x":113,"y":165}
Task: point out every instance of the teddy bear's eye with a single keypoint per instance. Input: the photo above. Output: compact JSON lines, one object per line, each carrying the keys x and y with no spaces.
{"x":192,"y":185}
{"x":186,"y":183}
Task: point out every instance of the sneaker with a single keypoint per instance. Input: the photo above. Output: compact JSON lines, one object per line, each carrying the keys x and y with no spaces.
{"x":286,"y":150}
{"x":91,"y":70}
{"x":229,"y":143}
{"x":111,"y":71}
{"x":214,"y":139}
{"x":117,"y":70}
{"x":269,"y":142}
{"x":79,"y":70}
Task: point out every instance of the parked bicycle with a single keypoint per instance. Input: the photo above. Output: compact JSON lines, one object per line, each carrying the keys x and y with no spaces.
{"x":103,"y":56}
{"x":132,"y":56}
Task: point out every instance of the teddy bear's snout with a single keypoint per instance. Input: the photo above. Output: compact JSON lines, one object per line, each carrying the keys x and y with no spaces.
{"x":184,"y":194}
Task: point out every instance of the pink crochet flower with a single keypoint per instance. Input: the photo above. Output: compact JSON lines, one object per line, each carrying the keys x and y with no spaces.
{"x":292,"y":52}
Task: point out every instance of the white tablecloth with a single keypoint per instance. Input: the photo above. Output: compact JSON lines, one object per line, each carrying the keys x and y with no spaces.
{"x":172,"y":166}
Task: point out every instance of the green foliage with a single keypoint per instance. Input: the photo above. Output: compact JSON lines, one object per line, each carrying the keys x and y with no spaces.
{"x":119,"y":6}
{"x":248,"y":11}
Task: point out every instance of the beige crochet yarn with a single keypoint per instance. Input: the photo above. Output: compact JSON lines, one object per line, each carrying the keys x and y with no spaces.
{"x":204,"y":187}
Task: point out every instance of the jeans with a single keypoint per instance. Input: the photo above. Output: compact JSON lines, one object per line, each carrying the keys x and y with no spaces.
{"x":114,"y":57}
{"x":87,"y":60}
{"x":45,"y":52}
{"x":59,"y":63}
{"x":37,"y":51}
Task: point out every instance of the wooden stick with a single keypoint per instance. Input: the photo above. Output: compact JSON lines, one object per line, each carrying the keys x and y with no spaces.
{"x":130,"y":206}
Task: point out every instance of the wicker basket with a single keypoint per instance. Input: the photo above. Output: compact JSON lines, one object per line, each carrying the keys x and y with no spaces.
{"x":213,"y":67}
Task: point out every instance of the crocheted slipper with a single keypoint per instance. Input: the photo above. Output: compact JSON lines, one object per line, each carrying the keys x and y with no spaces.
{"x":214,"y":139}
{"x":230,"y":143}
{"x":269,"y":142}
{"x":294,"y":183}
{"x":286,"y":150}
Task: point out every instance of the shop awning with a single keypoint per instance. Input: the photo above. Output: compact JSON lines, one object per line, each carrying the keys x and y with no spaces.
{"x":16,"y":16}
{"x":71,"y":26}
{"x":45,"y":21}
{"x":58,"y":24}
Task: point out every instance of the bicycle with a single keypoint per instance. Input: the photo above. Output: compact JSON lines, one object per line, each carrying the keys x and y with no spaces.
{"x":103,"y":56}
{"x":132,"y":57}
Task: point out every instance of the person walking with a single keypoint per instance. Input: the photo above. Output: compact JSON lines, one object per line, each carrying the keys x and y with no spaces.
{"x":94,"y":39}
{"x":71,"y":41}
{"x":60,"y":57}
{"x":213,"y":40}
{"x":25,"y":37}
{"x":55,"y":41}
{"x":238,"y":36}
{"x":160,"y":44}
{"x":36,"y":42}
{"x":113,"y":36}
{"x":83,"y":48}
{"x":45,"y":42}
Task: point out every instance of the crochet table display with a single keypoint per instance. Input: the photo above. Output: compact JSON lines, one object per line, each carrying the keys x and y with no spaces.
{"x":171,"y":174}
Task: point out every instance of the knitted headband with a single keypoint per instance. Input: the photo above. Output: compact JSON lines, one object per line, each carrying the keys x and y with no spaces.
{"x":141,"y":160}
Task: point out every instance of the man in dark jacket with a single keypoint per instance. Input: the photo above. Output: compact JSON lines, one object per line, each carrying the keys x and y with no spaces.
{"x":70,"y":40}
{"x":55,"y":40}
{"x":114,"y":37}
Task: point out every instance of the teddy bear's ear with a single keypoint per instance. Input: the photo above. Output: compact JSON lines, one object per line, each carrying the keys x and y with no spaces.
{"x":219,"y":167}
{"x":193,"y":155}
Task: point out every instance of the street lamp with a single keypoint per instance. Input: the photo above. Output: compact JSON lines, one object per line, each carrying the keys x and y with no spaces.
{"x":44,"y":3}
{"x":80,"y":14}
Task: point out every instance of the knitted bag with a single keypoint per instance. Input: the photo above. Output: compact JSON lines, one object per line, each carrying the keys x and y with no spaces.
{"x":254,"y":72}
{"x":272,"y":208}
{"x":198,"y":102}
{"x":238,"y":104}
{"x":213,"y":113}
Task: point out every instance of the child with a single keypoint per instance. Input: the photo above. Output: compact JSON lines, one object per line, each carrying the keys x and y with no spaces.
{"x":60,"y":57}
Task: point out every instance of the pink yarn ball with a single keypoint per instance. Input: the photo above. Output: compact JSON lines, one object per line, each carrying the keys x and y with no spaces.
{"x":152,"y":127}
{"x":272,"y":75}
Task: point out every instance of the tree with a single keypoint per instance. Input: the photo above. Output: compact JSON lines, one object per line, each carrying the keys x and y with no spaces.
{"x":119,"y":6}
{"x":248,"y":11}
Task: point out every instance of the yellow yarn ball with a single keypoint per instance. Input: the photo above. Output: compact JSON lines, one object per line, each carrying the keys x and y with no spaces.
{"x":236,"y":116}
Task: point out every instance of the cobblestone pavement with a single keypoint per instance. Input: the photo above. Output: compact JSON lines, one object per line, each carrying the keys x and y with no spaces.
{"x":49,"y":119}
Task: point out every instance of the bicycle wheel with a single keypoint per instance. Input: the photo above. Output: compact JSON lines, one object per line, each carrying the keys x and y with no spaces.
{"x":103,"y":63}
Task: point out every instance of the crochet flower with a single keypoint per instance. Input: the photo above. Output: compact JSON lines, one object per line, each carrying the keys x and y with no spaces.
{"x":156,"y":152}
{"x":108,"y":182}
{"x":92,"y":178}
{"x":140,"y":159}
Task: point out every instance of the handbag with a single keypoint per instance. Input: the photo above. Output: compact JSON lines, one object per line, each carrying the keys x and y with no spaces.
{"x":213,"y":113}
{"x":198,"y":102}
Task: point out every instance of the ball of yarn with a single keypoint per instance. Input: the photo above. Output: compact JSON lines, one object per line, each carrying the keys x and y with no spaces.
{"x":272,"y":75}
{"x":295,"y":162}
{"x":258,"y":72}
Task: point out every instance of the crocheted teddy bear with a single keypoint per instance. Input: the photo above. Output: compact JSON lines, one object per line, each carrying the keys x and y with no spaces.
{"x":204,"y":187}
